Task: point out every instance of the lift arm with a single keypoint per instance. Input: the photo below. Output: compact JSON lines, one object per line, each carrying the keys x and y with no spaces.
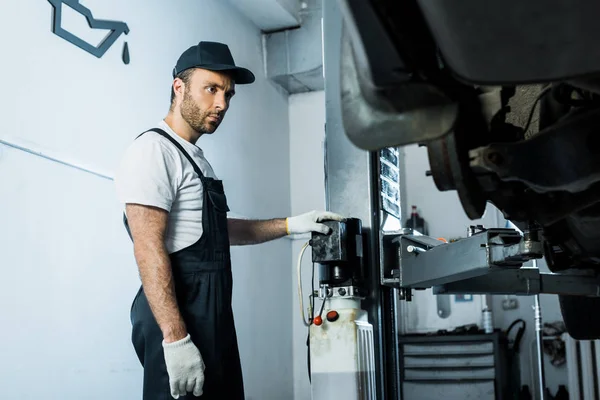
{"x":488,"y":262}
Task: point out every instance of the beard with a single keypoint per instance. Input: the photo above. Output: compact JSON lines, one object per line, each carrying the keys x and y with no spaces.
{"x":196,"y":117}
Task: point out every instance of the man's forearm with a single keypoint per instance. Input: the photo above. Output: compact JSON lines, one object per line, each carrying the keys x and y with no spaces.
{"x":246,"y":232}
{"x":159,"y":288}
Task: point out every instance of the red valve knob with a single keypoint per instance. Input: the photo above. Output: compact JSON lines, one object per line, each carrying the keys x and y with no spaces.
{"x":332,"y":316}
{"x":318,"y":321}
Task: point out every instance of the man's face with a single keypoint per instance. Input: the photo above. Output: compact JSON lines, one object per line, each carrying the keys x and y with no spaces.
{"x":206,"y":99}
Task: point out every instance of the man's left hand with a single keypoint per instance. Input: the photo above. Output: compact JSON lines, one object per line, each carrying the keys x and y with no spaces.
{"x":310,"y":222}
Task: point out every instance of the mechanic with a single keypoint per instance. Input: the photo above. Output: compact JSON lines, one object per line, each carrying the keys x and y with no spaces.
{"x":176,"y":214}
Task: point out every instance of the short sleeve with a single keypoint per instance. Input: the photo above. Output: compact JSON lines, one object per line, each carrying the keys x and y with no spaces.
{"x":147,"y":174}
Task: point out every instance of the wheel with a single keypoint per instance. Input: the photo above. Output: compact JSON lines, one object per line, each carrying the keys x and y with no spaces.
{"x":581,"y":316}
{"x":580,"y":313}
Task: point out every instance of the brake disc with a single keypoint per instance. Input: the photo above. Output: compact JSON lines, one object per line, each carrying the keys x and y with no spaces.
{"x":449,"y":162}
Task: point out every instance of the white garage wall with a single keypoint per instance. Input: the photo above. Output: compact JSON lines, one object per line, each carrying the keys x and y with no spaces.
{"x":68,"y":275}
{"x":307,"y":135}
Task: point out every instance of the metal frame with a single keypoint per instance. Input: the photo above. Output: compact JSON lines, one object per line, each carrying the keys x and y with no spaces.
{"x":525,"y":282}
{"x":490,"y":262}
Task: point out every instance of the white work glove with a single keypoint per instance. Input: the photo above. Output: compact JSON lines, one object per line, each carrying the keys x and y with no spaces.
{"x":185,"y":367}
{"x":309,"y":222}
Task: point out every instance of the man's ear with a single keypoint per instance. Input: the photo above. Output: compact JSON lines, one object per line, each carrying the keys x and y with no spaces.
{"x":178,"y":87}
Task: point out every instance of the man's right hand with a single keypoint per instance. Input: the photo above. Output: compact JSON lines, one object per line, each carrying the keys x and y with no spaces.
{"x":185,"y":367}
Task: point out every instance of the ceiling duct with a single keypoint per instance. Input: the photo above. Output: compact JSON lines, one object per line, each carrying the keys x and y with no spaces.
{"x":293,"y":57}
{"x":270,"y":15}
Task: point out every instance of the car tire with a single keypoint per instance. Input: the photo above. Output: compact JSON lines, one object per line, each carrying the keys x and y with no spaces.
{"x":580,"y":315}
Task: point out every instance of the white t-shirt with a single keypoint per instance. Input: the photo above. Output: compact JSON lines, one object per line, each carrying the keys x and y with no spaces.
{"x":154,"y":172}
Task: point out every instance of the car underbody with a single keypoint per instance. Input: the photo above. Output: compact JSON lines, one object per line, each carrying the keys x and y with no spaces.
{"x":505,"y":95}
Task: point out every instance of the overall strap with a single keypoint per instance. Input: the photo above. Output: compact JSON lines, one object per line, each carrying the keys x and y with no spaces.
{"x":185,"y":153}
{"x":180,"y":147}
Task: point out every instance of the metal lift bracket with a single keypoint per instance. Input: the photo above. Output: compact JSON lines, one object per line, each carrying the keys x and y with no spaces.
{"x":489,"y":262}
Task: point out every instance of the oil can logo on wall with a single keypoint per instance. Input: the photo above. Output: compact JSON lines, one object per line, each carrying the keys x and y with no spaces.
{"x":116,"y":29}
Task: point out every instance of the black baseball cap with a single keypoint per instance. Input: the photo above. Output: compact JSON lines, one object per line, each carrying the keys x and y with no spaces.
{"x":213,"y":56}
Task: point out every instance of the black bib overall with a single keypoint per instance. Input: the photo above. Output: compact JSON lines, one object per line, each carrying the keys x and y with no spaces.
{"x":203,"y":285}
